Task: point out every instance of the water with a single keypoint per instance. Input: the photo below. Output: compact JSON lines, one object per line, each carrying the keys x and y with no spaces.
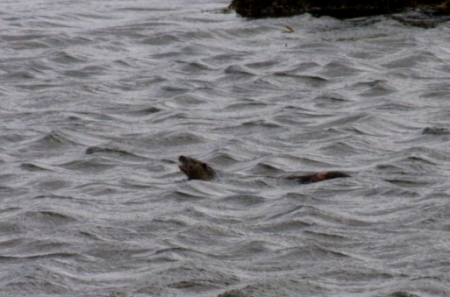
{"x":98,"y":100}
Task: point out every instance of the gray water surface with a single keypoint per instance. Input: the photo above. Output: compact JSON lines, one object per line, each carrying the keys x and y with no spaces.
{"x":99,"y":98}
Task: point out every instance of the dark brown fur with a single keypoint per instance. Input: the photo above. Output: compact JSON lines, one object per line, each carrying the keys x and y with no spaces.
{"x":317,"y":177}
{"x":196,"y":169}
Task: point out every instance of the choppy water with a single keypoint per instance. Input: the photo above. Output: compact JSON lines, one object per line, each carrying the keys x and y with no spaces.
{"x":99,"y":98}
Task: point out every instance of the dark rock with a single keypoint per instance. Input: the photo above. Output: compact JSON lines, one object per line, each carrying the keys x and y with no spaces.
{"x":336,"y":8}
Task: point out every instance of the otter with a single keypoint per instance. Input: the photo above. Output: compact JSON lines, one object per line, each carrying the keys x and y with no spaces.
{"x":196,"y":169}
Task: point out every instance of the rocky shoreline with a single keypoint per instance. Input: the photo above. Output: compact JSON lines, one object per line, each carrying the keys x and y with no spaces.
{"x":338,"y":8}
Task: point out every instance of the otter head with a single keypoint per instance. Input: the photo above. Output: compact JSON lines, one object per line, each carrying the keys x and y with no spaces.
{"x":195,"y":169}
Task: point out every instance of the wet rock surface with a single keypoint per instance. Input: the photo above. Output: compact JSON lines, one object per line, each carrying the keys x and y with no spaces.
{"x":340,"y":8}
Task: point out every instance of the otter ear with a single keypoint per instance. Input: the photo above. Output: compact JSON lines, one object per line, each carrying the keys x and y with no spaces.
{"x":205,"y":166}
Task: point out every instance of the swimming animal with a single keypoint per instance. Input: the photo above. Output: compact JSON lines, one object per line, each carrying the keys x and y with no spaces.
{"x":196,"y":169}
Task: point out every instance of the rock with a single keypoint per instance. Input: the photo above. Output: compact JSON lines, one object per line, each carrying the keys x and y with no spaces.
{"x":336,"y":8}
